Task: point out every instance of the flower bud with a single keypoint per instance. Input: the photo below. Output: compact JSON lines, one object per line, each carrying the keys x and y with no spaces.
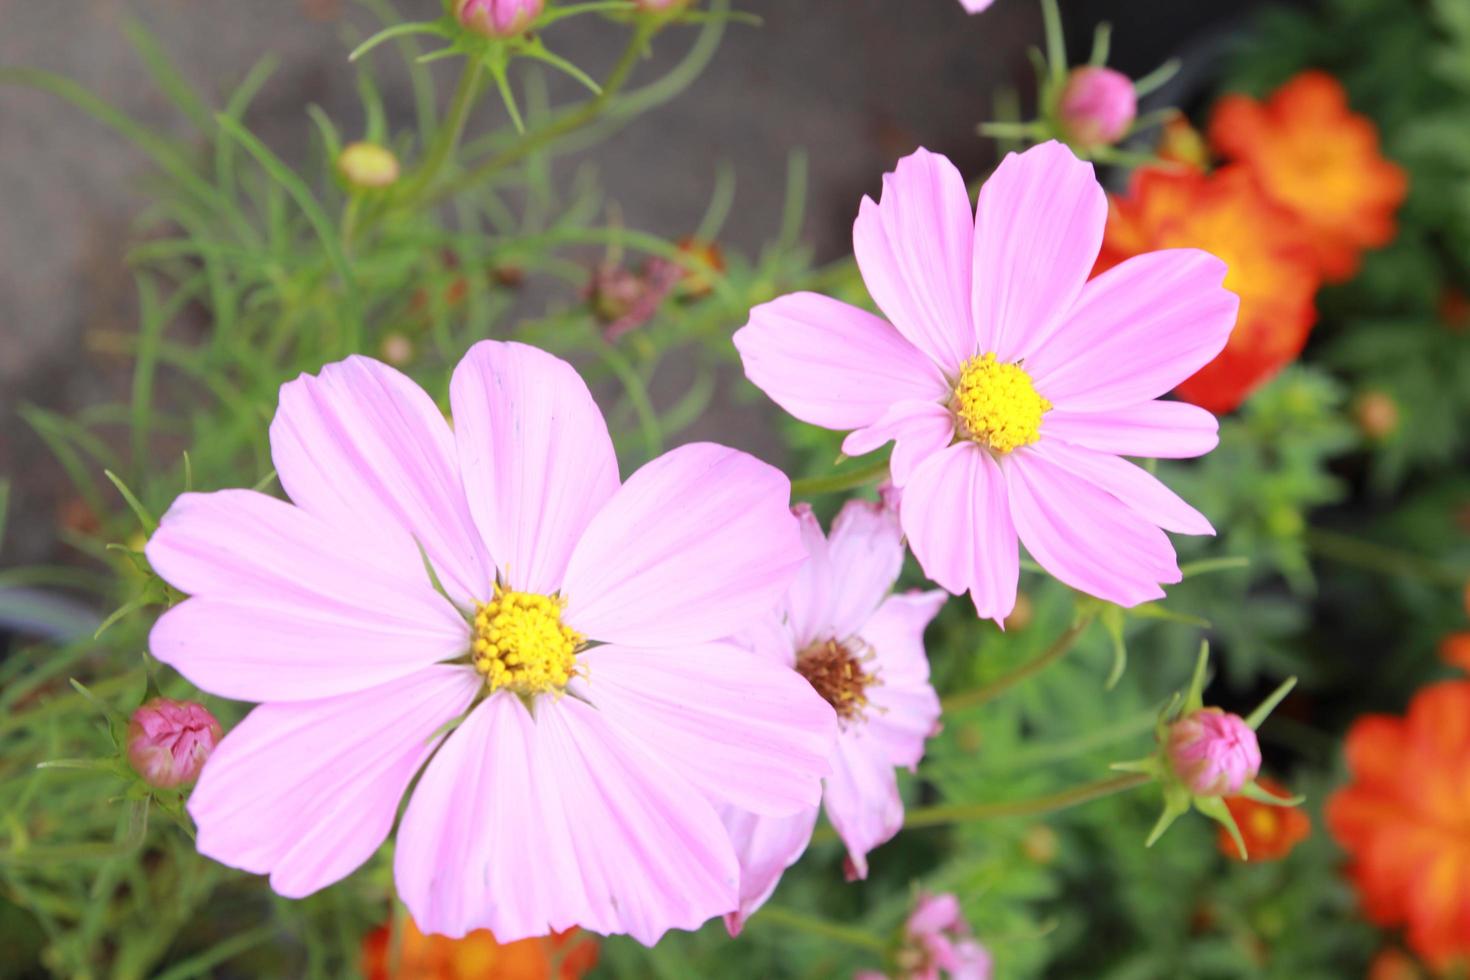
{"x":498,"y":18}
{"x":1213,"y":752}
{"x":1377,"y":414}
{"x":169,"y":741}
{"x":367,"y":165}
{"x":1097,"y":106}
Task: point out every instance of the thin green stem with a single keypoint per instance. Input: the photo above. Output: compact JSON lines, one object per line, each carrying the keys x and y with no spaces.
{"x":836,"y":482}
{"x":573,"y":120}
{"x":989,"y":692}
{"x":791,"y":919}
{"x":934,"y":816}
{"x":1379,"y":558}
{"x":448,"y":136}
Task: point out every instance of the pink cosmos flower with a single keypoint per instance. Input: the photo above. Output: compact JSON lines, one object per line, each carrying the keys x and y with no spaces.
{"x":1011,"y":385}
{"x":169,"y":741}
{"x":1213,"y":752}
{"x":577,"y":625}
{"x":937,"y":943}
{"x":863,"y":651}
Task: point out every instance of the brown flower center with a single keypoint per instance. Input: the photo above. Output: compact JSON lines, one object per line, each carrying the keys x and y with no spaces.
{"x":835,"y":671}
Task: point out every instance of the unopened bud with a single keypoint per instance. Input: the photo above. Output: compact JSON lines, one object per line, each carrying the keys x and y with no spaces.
{"x":1377,"y":414}
{"x":498,"y":18}
{"x":1097,"y":106}
{"x":169,"y":741}
{"x":1213,"y":752}
{"x":367,"y":165}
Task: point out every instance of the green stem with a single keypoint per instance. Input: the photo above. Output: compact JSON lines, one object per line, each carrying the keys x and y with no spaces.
{"x":989,"y":692}
{"x":800,"y":921}
{"x":573,"y":120}
{"x":1378,"y":558}
{"x":448,"y":137}
{"x":933,"y":816}
{"x":810,"y":486}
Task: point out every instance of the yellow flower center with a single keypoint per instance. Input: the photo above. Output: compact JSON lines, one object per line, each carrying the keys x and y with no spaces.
{"x":836,"y":673}
{"x":996,"y":405}
{"x":522,"y":644}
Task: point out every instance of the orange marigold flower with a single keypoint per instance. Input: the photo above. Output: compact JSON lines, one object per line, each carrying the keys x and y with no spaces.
{"x":564,"y":956}
{"x":1317,"y":157}
{"x":1403,"y":820}
{"x":1394,"y":964}
{"x":1269,"y":832}
{"x":1270,"y":265}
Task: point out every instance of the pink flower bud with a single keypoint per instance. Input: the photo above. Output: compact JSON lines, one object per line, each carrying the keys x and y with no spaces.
{"x":498,"y":18}
{"x":1213,"y":752}
{"x":168,"y":741}
{"x":1097,"y":106}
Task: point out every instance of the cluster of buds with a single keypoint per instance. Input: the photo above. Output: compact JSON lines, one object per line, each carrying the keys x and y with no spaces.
{"x":1206,"y":754}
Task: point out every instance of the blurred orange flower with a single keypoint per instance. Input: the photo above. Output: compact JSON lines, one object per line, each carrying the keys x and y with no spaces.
{"x":1454,"y":649}
{"x":565,"y":956}
{"x":1320,"y":159}
{"x":1269,"y":832}
{"x":1394,"y":964}
{"x":1271,"y":267}
{"x":1404,"y":819}
{"x":1180,"y":143}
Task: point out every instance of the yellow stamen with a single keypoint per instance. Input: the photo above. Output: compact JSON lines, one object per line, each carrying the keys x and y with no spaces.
{"x":996,"y":404}
{"x":522,"y":644}
{"x":836,"y":673}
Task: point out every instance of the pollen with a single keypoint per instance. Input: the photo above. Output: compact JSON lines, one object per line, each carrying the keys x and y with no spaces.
{"x":522,"y":645}
{"x":996,"y":404}
{"x":835,"y":671}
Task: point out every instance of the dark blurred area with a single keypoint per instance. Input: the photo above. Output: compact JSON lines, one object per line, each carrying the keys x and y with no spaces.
{"x":855,"y":83}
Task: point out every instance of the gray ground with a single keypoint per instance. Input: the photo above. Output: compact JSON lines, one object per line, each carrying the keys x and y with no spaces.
{"x":856,"y":82}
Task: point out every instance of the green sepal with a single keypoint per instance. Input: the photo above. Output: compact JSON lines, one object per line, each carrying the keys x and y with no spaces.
{"x":1214,"y":807}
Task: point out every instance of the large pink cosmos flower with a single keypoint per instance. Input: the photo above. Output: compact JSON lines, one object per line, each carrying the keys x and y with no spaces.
{"x":578,"y":790}
{"x":1011,"y":385}
{"x":863,"y":651}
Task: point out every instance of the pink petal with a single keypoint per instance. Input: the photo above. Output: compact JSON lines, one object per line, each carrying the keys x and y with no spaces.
{"x":306,"y":792}
{"x":1136,"y":487}
{"x":918,"y":430}
{"x":766,"y":847}
{"x":525,"y":826}
{"x":905,"y":708}
{"x":363,"y":447}
{"x":958,"y":524}
{"x":1153,"y":429}
{"x":741,"y":729}
{"x":536,"y":458}
{"x":832,"y":364}
{"x":975,"y":6}
{"x":1038,"y":229}
{"x":1084,"y":535}
{"x":694,"y":546}
{"x":1137,"y":331}
{"x":861,"y":798}
{"x":288,"y":607}
{"x":865,"y":552}
{"x":807,"y":606}
{"x":913,"y":249}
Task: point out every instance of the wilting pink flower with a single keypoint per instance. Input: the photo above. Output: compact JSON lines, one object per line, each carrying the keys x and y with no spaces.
{"x":575,"y":618}
{"x":169,"y":741}
{"x":1012,"y":386}
{"x":1213,"y":752}
{"x":937,"y":943}
{"x":1097,"y":106}
{"x":862,"y":649}
{"x":498,"y":18}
